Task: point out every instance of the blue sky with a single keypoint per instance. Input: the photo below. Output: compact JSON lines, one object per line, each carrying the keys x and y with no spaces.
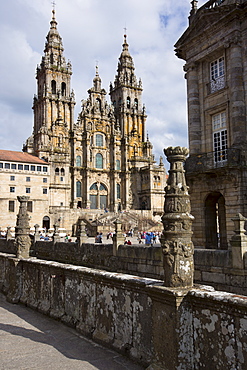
{"x":93,"y":30}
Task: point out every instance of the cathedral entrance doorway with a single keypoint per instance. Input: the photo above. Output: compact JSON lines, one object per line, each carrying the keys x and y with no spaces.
{"x":215,"y":221}
{"x":46,"y":223}
{"x":98,"y":196}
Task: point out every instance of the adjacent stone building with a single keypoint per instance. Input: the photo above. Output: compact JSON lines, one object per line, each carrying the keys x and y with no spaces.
{"x":214,"y":47}
{"x":23,"y":174}
{"x":103,"y":161}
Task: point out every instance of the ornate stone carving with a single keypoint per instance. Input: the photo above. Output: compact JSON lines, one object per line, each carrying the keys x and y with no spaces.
{"x":22,"y":229}
{"x":176,"y":237}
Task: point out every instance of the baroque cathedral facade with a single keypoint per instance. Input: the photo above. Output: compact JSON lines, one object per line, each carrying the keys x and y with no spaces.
{"x":104,"y":160}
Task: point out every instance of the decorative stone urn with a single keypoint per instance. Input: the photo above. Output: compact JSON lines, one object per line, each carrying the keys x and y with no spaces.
{"x":176,"y":241}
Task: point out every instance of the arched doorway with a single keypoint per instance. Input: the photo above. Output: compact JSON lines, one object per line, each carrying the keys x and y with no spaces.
{"x":98,"y":196}
{"x":46,"y":222}
{"x":215,"y":221}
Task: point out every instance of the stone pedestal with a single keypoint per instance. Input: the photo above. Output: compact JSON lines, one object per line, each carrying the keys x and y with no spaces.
{"x":22,"y":229}
{"x":55,"y":236}
{"x":118,"y":237}
{"x":176,"y":237}
{"x":81,"y":233}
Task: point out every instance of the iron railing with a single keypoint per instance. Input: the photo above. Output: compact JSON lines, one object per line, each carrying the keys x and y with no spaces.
{"x":204,"y":162}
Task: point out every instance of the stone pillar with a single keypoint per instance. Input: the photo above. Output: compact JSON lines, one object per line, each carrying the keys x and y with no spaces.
{"x":8,"y":234}
{"x":55,"y":236}
{"x":118,"y":237}
{"x":237,"y":94}
{"x":81,"y":233}
{"x":194,"y":116}
{"x":238,"y":242}
{"x":176,"y":241}
{"x":22,"y":229}
{"x":36,"y":233}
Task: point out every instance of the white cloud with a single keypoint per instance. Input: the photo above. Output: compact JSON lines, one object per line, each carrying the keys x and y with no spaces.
{"x":93,"y":30}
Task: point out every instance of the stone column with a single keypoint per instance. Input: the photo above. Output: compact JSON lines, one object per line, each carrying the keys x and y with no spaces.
{"x":22,"y":229}
{"x":55,"y":236}
{"x":239,"y":242}
{"x":237,"y":99}
{"x":176,"y":241}
{"x":194,"y":116}
{"x":81,"y":233}
{"x":36,"y":233}
{"x":8,"y":234}
{"x":118,"y":237}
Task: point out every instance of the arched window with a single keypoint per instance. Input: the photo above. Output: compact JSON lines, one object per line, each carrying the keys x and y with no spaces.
{"x":57,"y":171}
{"x":128,"y":102}
{"x":53,"y":87}
{"x":78,"y":189}
{"x":99,"y":140}
{"x":98,"y":103}
{"x":99,"y":160}
{"x":136,"y":103}
{"x":102,"y":187}
{"x":62,"y":172}
{"x":94,"y":187}
{"x":78,"y":161}
{"x":91,"y":156}
{"x":98,"y":196}
{"x":51,"y":58}
{"x":63,"y":88}
{"x":118,"y":191}
{"x":215,"y":221}
{"x":118,"y":165}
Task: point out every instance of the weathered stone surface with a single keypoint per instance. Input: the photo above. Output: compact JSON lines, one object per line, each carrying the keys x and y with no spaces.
{"x":22,"y":229}
{"x":176,"y":237}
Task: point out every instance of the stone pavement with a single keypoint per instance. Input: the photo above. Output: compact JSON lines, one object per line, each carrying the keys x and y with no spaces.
{"x":30,"y":340}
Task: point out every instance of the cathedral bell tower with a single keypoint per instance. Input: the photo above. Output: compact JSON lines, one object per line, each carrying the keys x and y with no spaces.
{"x":53,"y":108}
{"x":53,"y":105}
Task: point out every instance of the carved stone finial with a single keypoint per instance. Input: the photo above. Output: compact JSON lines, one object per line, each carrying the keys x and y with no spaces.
{"x":22,"y":229}
{"x":176,"y":237}
{"x":193,"y":7}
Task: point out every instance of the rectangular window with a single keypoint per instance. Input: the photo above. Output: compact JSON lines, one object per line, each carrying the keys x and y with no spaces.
{"x":12,"y":189}
{"x":11,"y":206}
{"x":219,"y":137}
{"x":32,"y":168}
{"x":28,"y":190}
{"x":1,"y":165}
{"x":99,"y":140}
{"x":39,"y":168}
{"x":44,"y":179}
{"x":30,"y":206}
{"x":217,"y":68}
{"x":45,"y":191}
{"x":26,"y":167}
{"x":45,"y":169}
{"x":217,"y":75}
{"x":13,"y":166}
{"x":12,"y":178}
{"x":61,"y":178}
{"x":7,"y":166}
{"x":20,"y":166}
{"x":28,"y":179}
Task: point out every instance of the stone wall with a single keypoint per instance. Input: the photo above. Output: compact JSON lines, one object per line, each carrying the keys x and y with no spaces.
{"x":132,"y":259}
{"x":157,"y":326}
{"x":214,"y":267}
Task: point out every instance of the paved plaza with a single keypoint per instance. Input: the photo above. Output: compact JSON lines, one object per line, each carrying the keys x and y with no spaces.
{"x":30,"y":340}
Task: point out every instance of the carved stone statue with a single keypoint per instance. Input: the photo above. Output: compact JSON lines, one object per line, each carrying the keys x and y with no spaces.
{"x":176,"y":237}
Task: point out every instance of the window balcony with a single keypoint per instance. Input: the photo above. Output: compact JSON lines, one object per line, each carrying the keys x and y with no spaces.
{"x":216,"y":85}
{"x":205,"y":162}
